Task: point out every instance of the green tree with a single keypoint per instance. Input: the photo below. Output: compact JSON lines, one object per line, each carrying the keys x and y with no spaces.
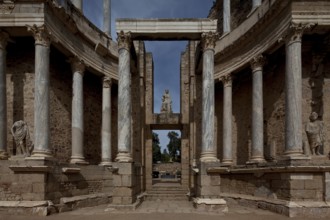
{"x":165,"y":156}
{"x":156,"y":154}
{"x":174,"y":146}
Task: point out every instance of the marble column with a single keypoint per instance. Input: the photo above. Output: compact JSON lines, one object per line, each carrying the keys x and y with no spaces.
{"x":256,"y":3}
{"x":107,"y":17}
{"x":78,"y":69}
{"x":3,"y":99}
{"x":106,"y":122}
{"x":124,"y":98}
{"x":257,"y":147}
{"x":293,"y":92}
{"x":226,"y":16}
{"x":208,"y":153}
{"x":41,"y":92}
{"x":227,"y":120}
{"x":78,"y":4}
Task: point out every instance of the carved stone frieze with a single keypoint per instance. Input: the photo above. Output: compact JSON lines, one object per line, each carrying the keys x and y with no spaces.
{"x":257,"y":62}
{"x":208,"y":40}
{"x":107,"y":82}
{"x":7,"y":6}
{"x":3,"y":39}
{"x":227,"y":80}
{"x":124,"y":40}
{"x":41,"y":35}
{"x":77,"y":65}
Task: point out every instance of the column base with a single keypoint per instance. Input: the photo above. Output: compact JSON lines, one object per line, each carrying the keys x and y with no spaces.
{"x":41,"y":155}
{"x":3,"y":155}
{"x":227,"y":162}
{"x":78,"y":160}
{"x":256,"y":160}
{"x":124,"y":158}
{"x":208,"y":157}
{"x":105,"y":163}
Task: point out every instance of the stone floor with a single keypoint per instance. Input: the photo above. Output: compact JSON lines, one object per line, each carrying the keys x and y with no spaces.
{"x":160,"y":210}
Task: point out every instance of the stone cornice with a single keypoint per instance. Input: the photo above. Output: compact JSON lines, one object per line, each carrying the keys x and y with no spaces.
{"x":124,"y":40}
{"x":41,"y":35}
{"x":257,"y":62}
{"x":4,"y":36}
{"x":208,"y":40}
{"x":107,"y":82}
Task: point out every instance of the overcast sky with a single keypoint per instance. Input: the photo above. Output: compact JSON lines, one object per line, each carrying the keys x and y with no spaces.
{"x":166,"y":54}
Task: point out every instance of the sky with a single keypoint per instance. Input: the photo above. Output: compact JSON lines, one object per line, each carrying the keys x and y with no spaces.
{"x":166,"y":54}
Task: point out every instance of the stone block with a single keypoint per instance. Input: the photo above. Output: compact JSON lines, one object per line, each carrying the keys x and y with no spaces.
{"x":280,"y":184}
{"x":128,"y":200}
{"x":117,"y":180}
{"x":122,"y":191}
{"x":21,"y":187}
{"x":314,"y":184}
{"x":126,"y":180}
{"x":303,"y":194}
{"x":116,"y":200}
{"x":39,"y":187}
{"x":327,"y":186}
{"x":297,"y":184}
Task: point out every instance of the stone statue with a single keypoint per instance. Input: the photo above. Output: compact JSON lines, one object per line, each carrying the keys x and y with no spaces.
{"x":20,"y":132}
{"x":315,"y":134}
{"x":166,"y":102}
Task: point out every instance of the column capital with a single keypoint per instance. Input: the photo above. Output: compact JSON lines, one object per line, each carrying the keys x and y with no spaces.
{"x":4,"y":36}
{"x":257,"y":62}
{"x":296,"y":31}
{"x":208,"y":40}
{"x":124,"y":40}
{"x":227,"y":80}
{"x":107,"y":82}
{"x":77,"y":65}
{"x":42,"y":35}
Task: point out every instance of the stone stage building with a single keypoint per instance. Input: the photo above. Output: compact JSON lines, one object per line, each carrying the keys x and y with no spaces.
{"x":254,"y":120}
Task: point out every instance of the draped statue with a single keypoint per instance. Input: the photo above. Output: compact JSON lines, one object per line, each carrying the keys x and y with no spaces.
{"x":166,"y":102}
{"x":21,"y":134}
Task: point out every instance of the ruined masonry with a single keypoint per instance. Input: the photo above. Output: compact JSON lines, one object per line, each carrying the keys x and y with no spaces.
{"x":76,"y":108}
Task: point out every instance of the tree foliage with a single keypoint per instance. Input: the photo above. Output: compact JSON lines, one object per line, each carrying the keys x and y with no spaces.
{"x":174,"y":146}
{"x":156,"y":153}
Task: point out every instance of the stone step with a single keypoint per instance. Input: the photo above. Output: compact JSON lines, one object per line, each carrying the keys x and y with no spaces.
{"x":182,"y":192}
{"x":166,"y":197}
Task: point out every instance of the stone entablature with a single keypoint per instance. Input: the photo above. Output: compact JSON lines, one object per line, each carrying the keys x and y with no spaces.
{"x":269,"y":32}
{"x":66,"y":25}
{"x":169,"y":29}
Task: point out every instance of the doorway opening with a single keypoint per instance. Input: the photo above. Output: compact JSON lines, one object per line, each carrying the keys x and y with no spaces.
{"x":166,"y":157}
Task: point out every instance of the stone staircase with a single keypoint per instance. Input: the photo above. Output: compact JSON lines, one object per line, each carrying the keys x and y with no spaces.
{"x":167,"y":192}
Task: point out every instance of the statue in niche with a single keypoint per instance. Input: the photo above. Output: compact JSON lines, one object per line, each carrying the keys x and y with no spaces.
{"x":166,"y":102}
{"x":21,"y":134}
{"x":315,"y":134}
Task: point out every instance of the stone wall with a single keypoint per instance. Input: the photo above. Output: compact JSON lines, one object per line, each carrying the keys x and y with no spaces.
{"x":284,"y":186}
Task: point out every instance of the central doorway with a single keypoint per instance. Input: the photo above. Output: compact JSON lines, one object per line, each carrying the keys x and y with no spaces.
{"x":166,"y":157}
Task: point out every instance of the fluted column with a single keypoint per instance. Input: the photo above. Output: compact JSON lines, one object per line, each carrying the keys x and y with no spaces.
{"x":226,"y":16}
{"x":78,"y":69}
{"x":78,"y":4}
{"x":107,"y":17}
{"x":106,"y":122}
{"x":256,"y":3}
{"x":124,"y":98}
{"x":41,"y":92}
{"x":208,"y":153}
{"x":293,"y":92}
{"x":3,"y":99}
{"x":257,"y":147}
{"x":227,"y":120}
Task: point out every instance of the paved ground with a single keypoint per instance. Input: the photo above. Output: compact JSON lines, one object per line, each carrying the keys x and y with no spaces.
{"x":160,"y":210}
